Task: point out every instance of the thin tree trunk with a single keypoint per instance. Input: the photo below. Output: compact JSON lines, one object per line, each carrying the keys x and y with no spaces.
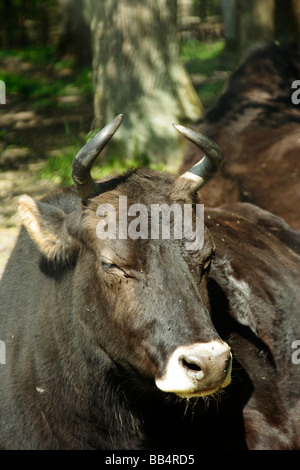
{"x":9,"y":24}
{"x":287,"y":19}
{"x":137,"y":72}
{"x":230,"y":21}
{"x":256,"y":22}
{"x":75,"y":31}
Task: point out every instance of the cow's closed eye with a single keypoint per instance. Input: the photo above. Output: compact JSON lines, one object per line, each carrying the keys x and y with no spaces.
{"x":113,"y":269}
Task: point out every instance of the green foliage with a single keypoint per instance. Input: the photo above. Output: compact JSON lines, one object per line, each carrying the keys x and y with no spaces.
{"x":202,"y":57}
{"x":37,"y":55}
{"x":45,"y":89}
{"x":210,"y":64}
{"x":58,"y":168}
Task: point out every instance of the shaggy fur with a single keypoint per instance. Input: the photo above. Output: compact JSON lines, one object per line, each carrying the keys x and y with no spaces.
{"x":257,"y":127}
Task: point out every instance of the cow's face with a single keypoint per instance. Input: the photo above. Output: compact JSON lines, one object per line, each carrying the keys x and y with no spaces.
{"x":139,"y":295}
{"x":142,"y":301}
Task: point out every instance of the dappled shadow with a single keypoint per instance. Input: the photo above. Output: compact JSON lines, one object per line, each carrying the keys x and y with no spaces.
{"x":43,"y":111}
{"x":30,"y":132}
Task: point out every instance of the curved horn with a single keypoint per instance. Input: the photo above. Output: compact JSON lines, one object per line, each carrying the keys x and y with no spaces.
{"x":85,"y":158}
{"x":206,"y":168}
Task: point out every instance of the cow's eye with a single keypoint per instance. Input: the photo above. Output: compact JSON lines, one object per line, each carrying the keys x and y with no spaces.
{"x":107,"y":266}
{"x":113,"y":269}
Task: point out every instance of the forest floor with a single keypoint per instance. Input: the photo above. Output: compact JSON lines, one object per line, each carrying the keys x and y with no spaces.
{"x":31,"y":132}
{"x":49,"y":112}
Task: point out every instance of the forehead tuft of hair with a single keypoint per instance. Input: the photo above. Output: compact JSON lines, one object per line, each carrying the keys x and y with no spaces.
{"x":143,"y":186}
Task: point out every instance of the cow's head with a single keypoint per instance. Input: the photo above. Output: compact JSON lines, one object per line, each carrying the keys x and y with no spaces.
{"x":141,"y":300}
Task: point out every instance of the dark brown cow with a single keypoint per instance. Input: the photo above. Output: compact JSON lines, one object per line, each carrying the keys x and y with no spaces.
{"x":255,"y":295}
{"x":92,"y":323}
{"x":257,"y":126}
{"x":118,"y":343}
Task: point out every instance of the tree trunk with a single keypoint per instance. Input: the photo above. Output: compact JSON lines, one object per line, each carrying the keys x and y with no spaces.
{"x":8,"y":24}
{"x":287,"y":20}
{"x":137,"y":72}
{"x":230,"y":21}
{"x":256,"y":22}
{"x":74,"y":34}
{"x":250,"y":22}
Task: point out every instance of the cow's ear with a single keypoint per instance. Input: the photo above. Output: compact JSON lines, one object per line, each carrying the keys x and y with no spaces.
{"x":46,"y":225}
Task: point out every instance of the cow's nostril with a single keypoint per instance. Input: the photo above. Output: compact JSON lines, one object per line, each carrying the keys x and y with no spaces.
{"x":190,"y":365}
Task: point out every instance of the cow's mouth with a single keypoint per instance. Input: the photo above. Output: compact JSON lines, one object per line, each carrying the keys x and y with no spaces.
{"x":202,"y":393}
